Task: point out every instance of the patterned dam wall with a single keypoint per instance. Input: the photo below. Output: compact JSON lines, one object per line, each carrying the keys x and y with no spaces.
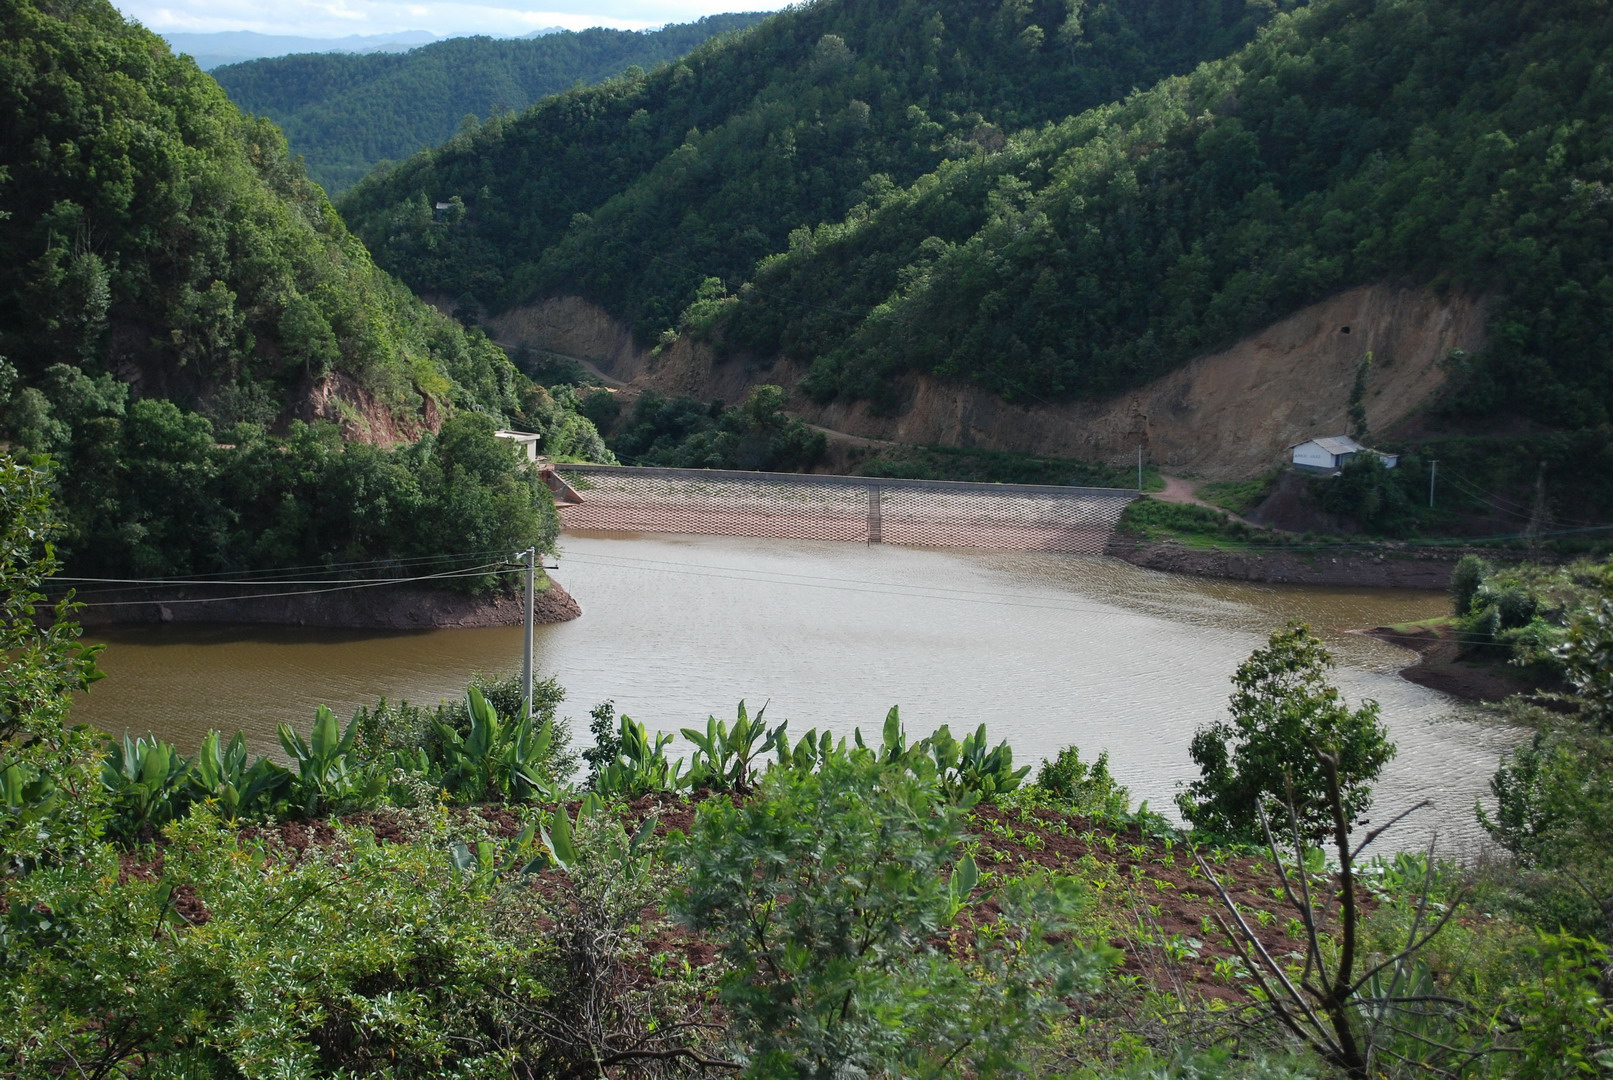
{"x":920,"y":513}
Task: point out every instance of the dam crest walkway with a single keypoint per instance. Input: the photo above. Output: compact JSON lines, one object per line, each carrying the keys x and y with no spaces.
{"x":861,"y":509}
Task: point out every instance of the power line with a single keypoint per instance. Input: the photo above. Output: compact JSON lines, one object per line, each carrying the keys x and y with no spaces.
{"x":1511,"y":507}
{"x":265,"y":576}
{"x":253,"y":581}
{"x":486,"y":570}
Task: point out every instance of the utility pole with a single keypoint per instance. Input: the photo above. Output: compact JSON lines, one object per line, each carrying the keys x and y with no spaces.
{"x":530,"y":558}
{"x":1433,"y":471}
{"x":1139,"y":468}
{"x":1537,"y":513}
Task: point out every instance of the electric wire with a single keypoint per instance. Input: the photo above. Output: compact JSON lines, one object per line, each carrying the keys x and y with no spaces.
{"x":265,"y":577}
{"x":247,"y":581}
{"x":317,"y":566}
{"x":1492,"y":497}
{"x":1510,"y":507}
{"x":1505,"y":511}
{"x":496,"y":569}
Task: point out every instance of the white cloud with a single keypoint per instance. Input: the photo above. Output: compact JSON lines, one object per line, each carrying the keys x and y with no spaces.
{"x":338,"y":18}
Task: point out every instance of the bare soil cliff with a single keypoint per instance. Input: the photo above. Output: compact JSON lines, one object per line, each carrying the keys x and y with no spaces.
{"x":1227,"y":415}
{"x":340,"y":400}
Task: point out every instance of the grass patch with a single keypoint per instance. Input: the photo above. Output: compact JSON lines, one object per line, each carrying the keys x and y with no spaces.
{"x":1437,"y":624}
{"x":1238,"y":496}
{"x":1150,"y":519}
{"x":1002,"y":467}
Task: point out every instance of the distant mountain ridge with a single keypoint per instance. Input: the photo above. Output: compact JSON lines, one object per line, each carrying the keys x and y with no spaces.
{"x":234,"y":46}
{"x":345,"y":113}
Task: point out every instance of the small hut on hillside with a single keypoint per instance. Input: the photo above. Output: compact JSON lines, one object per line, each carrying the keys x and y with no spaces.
{"x":527,"y":441}
{"x":1330,"y":452}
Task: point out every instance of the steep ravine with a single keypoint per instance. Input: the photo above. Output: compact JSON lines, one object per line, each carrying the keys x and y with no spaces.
{"x":1227,"y":415}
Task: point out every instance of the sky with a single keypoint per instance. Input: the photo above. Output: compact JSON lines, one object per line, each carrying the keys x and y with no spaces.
{"x":339,"y":18}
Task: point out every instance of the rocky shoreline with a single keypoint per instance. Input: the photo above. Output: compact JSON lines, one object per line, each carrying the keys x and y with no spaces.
{"x":1387,"y":568}
{"x":1442,"y":665}
{"x":389,"y":607}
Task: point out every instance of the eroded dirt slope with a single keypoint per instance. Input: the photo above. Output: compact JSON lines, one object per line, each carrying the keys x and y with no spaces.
{"x":1227,"y":415}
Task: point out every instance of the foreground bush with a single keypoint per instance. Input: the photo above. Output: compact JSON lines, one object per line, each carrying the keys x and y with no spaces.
{"x":232,"y":957}
{"x":832,"y":895}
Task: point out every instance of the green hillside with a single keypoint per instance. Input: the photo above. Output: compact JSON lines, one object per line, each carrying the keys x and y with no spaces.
{"x":171,"y":286}
{"x":1458,"y":144}
{"x":344,"y":113}
{"x":636,"y":192}
{"x":1031,"y":212}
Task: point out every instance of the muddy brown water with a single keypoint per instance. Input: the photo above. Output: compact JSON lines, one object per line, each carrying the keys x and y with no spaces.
{"x":1046,"y":650}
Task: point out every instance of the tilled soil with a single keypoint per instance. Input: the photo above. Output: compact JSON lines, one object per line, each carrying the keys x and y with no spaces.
{"x":1154,"y":897}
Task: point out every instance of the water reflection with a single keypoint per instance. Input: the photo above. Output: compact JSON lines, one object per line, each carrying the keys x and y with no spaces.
{"x":1046,"y":650}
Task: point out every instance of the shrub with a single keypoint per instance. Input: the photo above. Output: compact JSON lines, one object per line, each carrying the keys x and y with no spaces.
{"x":1087,"y":789}
{"x":828,"y":892}
{"x":1283,"y":712}
{"x":497,"y":759}
{"x":402,"y":732}
{"x":641,"y":765}
{"x":601,"y":914}
{"x":237,"y":959}
{"x":1469,"y":574}
{"x":1554,"y":794}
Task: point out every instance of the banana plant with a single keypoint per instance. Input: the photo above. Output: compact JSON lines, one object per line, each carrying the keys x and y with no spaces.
{"x":724,"y":757}
{"x":487,"y":860}
{"x":326,"y":778}
{"x":893,"y":747}
{"x":965,"y":876}
{"x":496,"y":759}
{"x":626,"y":855}
{"x":147,"y":781}
{"x":806,"y":754}
{"x":641,"y":764}
{"x":558,"y":850}
{"x":967,"y":767}
{"x":222,"y":773}
{"x":28,"y":795}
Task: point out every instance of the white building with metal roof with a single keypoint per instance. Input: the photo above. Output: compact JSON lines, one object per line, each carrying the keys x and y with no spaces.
{"x":1330,"y":452}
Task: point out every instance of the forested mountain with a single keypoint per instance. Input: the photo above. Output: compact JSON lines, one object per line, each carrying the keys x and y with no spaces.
{"x":980,"y":193}
{"x":346,"y":113}
{"x":1454,"y":143}
{"x":636,"y":192}
{"x":173,"y":288}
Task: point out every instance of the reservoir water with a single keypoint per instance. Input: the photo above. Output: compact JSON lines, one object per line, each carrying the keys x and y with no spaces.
{"x":1046,"y":650}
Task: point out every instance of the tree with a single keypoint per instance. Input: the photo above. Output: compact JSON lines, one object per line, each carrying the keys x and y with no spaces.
{"x":1284,"y":713}
{"x":1358,"y":399}
{"x":51,"y":798}
{"x":1554,"y":795}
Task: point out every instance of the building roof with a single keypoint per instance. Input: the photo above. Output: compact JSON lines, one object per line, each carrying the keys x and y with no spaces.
{"x":1334,"y":444}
